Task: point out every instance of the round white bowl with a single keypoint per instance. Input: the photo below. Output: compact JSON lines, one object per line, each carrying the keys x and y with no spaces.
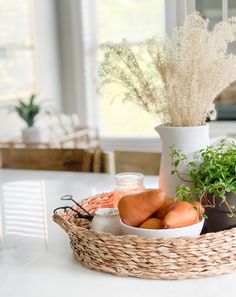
{"x":189,"y":231}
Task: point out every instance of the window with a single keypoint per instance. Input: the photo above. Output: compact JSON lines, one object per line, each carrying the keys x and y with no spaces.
{"x":210,"y":9}
{"x":122,"y":125}
{"x":215,"y":11}
{"x":17,"y":77}
{"x":135,"y":21}
{"x":232,"y":8}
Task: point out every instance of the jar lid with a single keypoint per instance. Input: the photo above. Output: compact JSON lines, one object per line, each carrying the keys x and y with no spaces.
{"x":106,"y":211}
{"x":129,"y":176}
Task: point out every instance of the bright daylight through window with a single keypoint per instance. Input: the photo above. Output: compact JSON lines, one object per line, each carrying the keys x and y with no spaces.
{"x":17,"y":75}
{"x":135,"y":21}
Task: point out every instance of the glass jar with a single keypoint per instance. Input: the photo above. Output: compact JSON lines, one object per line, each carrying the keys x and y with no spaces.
{"x":129,"y":182}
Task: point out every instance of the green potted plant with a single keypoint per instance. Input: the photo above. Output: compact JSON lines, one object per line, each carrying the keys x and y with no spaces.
{"x":29,"y":112}
{"x":212,"y":178}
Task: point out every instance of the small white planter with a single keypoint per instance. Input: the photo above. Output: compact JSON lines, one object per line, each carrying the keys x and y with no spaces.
{"x":106,"y":220}
{"x":189,"y":140}
{"x":31,"y":135}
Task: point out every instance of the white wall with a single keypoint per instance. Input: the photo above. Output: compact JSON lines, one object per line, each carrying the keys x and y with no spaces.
{"x":47,"y":65}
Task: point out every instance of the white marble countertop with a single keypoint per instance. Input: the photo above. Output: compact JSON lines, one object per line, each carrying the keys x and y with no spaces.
{"x":35,"y":256}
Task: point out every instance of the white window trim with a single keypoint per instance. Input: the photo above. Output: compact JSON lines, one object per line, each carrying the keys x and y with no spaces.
{"x":47,"y":62}
{"x":224,"y":9}
{"x":78,"y":89}
{"x":137,"y":144}
{"x":217,"y":129}
{"x":72,"y":57}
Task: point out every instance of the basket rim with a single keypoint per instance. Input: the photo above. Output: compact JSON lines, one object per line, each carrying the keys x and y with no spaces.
{"x":55,"y":216}
{"x":59,"y":218}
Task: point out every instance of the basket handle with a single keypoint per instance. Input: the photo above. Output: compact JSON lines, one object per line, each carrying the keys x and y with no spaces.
{"x":57,"y":218}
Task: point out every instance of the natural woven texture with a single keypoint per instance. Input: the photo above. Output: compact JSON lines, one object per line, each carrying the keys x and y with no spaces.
{"x":180,"y":258}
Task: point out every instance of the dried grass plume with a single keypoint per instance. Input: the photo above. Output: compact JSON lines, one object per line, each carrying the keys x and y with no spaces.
{"x":176,"y":80}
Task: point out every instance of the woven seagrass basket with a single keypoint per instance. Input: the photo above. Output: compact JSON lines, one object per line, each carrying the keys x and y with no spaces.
{"x":128,"y":255}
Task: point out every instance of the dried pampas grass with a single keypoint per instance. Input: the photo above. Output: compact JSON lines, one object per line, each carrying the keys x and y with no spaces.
{"x":177,"y":80}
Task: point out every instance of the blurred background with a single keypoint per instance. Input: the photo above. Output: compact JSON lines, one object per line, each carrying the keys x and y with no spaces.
{"x":51,"y":48}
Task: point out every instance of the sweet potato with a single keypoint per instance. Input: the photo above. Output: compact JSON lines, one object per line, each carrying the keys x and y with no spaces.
{"x":181,"y":214}
{"x":151,"y":223}
{"x":134,"y":209}
{"x":163,"y":210}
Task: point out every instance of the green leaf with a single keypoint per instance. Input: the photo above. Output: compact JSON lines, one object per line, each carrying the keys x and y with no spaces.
{"x":28,"y":111}
{"x":22,"y":104}
{"x":192,"y":164}
{"x":176,"y":163}
{"x":32,"y":99}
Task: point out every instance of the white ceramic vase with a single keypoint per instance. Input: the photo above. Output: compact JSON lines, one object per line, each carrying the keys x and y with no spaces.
{"x":31,"y":135}
{"x":189,"y":140}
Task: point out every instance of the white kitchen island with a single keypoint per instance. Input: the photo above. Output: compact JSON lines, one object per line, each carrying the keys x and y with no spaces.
{"x":35,"y":255}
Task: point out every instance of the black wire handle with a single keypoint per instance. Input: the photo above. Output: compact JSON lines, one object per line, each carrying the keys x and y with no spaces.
{"x":70,"y":197}
{"x":77,"y":213}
